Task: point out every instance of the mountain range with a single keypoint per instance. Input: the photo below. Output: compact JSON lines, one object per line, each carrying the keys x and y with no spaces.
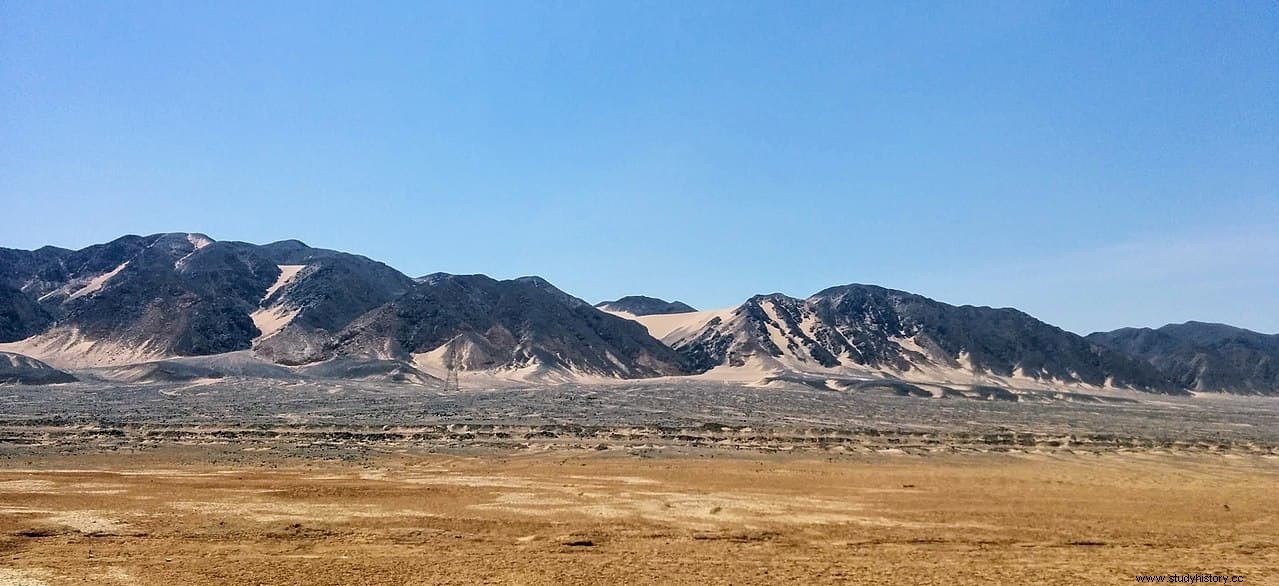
{"x":183,"y":306}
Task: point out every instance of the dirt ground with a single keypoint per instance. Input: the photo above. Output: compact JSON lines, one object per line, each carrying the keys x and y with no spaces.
{"x":180,"y":516}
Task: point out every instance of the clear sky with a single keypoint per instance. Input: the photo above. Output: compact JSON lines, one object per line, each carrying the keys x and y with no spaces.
{"x":1096,"y":164}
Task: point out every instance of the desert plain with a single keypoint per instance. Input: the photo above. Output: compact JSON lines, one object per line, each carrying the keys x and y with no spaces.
{"x":233,"y":484}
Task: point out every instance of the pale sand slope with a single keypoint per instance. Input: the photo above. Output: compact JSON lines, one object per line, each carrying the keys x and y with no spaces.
{"x":670,"y":327}
{"x":66,"y":347}
{"x":270,"y":320}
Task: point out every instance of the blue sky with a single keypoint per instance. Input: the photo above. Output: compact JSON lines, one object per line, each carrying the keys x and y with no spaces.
{"x":1095,"y":164}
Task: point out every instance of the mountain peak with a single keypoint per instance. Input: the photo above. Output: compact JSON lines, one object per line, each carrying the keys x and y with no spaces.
{"x":543,"y":284}
{"x":644,"y":305}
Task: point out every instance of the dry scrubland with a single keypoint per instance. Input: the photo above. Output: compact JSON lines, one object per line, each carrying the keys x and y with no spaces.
{"x":232,"y":484}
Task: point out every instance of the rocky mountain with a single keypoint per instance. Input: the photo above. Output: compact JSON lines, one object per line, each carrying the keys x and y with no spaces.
{"x":134,"y":297}
{"x":182,"y":306}
{"x":20,"y":315}
{"x":869,"y":328}
{"x":641,"y":305}
{"x":519,"y":324}
{"x":138,"y":302}
{"x":140,"y":298}
{"x":315,"y":297}
{"x":1203,"y":356}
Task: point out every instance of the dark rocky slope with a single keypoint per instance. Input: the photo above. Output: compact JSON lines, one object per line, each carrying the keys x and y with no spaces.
{"x":508,"y":324}
{"x":1203,"y":356}
{"x":641,"y":305}
{"x":869,"y":326}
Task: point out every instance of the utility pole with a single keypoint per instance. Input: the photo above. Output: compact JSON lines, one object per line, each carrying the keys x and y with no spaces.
{"x":452,"y":363}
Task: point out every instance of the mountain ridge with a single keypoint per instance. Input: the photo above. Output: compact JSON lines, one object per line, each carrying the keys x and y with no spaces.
{"x":869,"y":328}
{"x":1203,"y":356}
{"x":141,"y":299}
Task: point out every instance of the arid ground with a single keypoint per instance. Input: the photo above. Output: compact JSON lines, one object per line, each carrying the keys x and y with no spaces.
{"x":224,"y":515}
{"x":241,"y":482}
